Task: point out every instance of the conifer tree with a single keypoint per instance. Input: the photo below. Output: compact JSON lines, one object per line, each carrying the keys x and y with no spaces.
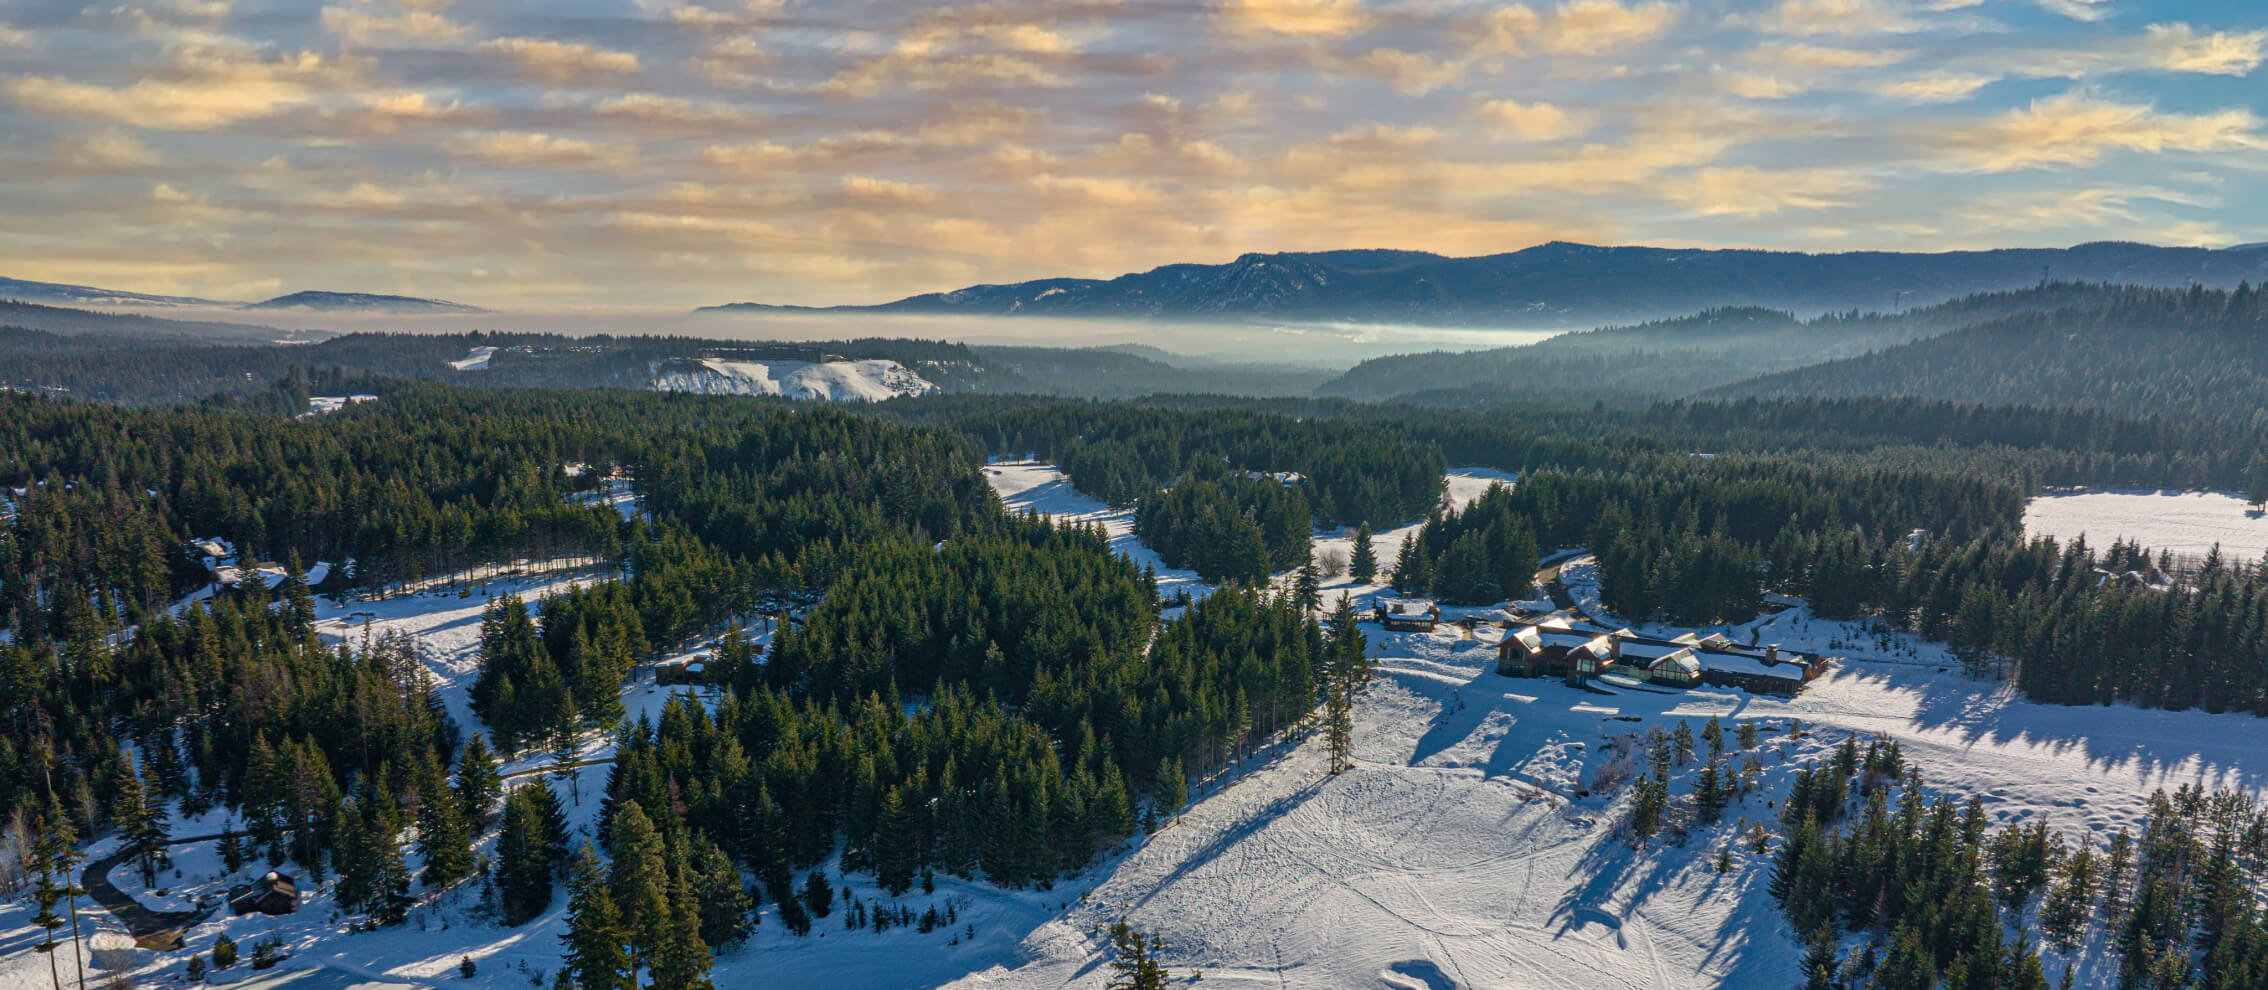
{"x":595,"y":936}
{"x":478,"y":783}
{"x":442,"y":838}
{"x":141,"y":820}
{"x":682,"y":959}
{"x":523,"y":858}
{"x":640,"y":882}
{"x":722,"y":894}
{"x":1364,"y":565}
{"x":1134,"y":963}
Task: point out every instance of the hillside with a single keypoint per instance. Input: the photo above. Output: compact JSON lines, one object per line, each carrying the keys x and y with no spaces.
{"x":838,"y":381}
{"x":82,"y":322}
{"x":1130,"y":370}
{"x":362,"y":302}
{"x":1672,"y":358}
{"x":87,"y":295}
{"x":2198,"y":356}
{"x":1569,"y":285}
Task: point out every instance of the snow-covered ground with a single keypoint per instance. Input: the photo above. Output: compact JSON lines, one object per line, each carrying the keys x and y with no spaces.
{"x":861,"y":381}
{"x":1464,"y":849}
{"x":2188,"y":523}
{"x":614,"y":492}
{"x":1034,"y":486}
{"x":475,"y":359}
{"x":320,"y":404}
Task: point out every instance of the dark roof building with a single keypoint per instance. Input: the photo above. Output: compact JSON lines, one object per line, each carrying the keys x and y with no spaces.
{"x":273,"y":893}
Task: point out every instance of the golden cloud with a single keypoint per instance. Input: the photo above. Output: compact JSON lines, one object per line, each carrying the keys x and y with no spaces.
{"x":200,"y":89}
{"x":562,"y":61}
{"x":1578,"y":27}
{"x":1298,"y":18}
{"x":2076,"y":129}
{"x":1535,"y":121}
{"x":359,"y":26}
{"x":538,"y":150}
{"x":2178,"y":47}
{"x":1754,"y":191}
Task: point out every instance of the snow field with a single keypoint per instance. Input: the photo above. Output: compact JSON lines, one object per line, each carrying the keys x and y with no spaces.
{"x":2187,"y":523}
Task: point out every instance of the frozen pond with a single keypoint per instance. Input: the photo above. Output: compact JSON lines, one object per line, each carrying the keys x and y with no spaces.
{"x":2184,"y":522}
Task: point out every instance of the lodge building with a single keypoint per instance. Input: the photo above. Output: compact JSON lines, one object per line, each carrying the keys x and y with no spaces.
{"x":1554,"y":648}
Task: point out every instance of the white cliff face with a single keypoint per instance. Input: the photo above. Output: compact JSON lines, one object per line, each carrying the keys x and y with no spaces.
{"x":836,"y":381}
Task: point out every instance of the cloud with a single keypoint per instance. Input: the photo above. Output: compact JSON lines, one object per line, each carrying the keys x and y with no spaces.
{"x":1848,"y":18}
{"x":2179,"y":48}
{"x":2078,"y":10}
{"x":361,"y":26}
{"x":563,"y":61}
{"x":11,"y":37}
{"x":1753,"y":191}
{"x":110,"y":149}
{"x":1535,"y":121}
{"x":670,"y":112}
{"x":2075,"y":129}
{"x":868,"y":191}
{"x":1298,"y":18}
{"x":1937,"y":87}
{"x":538,"y":150}
{"x":199,"y":89}
{"x":1577,"y":27}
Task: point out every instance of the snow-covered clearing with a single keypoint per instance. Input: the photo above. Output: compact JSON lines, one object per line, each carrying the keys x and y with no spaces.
{"x":474,"y":360}
{"x":2187,"y":523}
{"x":1462,"y":485}
{"x":861,"y":381}
{"x":1034,"y":486}
{"x":614,"y":492}
{"x":320,"y":404}
{"x":1453,"y":856}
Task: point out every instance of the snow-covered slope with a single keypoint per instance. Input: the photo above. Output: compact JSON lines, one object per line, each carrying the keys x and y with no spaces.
{"x":2187,"y":523}
{"x":842,"y":381}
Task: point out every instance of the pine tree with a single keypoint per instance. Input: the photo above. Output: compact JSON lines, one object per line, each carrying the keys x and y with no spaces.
{"x":684,"y":958}
{"x":523,"y":859}
{"x":478,"y":783}
{"x":141,"y":820}
{"x":390,"y":875}
{"x":1821,"y":958}
{"x":1338,"y":726}
{"x":723,"y":896}
{"x":231,"y":847}
{"x":442,"y":838}
{"x":1134,"y":961}
{"x":1364,"y":565}
{"x":639,"y":878}
{"x":818,"y":895}
{"x":595,"y":935}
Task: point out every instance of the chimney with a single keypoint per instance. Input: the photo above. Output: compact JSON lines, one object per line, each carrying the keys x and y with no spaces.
{"x":1772,"y":653}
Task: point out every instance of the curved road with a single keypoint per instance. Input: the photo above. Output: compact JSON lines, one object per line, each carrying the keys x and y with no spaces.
{"x":159,"y":930}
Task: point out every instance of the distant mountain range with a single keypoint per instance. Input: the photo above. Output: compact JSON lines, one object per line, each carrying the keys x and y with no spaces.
{"x":1568,"y":285}
{"x":87,"y":295}
{"x":363,"y":302}
{"x":59,"y":293}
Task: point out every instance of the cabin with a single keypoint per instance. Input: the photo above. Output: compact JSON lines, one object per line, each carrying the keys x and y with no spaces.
{"x":1680,"y":668}
{"x":681,"y":671}
{"x":274,"y":893}
{"x":1405,"y":615}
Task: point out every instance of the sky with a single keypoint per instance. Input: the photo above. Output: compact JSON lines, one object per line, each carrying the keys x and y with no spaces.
{"x":581,"y":153}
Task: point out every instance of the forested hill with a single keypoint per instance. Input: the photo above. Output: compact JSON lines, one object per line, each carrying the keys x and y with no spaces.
{"x":1643,"y":363}
{"x":2197,"y":356}
{"x":1573,"y":285}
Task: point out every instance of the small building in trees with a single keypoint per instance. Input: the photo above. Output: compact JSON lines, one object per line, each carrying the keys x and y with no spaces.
{"x":1407,"y":615}
{"x":686,"y":670}
{"x":272,"y":893}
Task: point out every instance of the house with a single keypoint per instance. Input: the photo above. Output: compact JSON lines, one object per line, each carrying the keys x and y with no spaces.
{"x":1405,"y":615}
{"x":273,"y":893}
{"x":681,"y":671}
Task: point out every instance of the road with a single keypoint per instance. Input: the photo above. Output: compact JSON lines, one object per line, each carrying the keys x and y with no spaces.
{"x":159,"y":930}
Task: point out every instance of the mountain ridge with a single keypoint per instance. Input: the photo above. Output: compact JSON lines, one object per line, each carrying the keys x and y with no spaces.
{"x":1564,"y":284}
